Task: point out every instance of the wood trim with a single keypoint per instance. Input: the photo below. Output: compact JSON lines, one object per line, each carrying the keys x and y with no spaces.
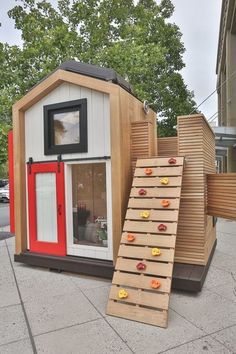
{"x":11,"y":180}
{"x":19,"y":180}
{"x":56,"y":79}
{"x":115,"y":170}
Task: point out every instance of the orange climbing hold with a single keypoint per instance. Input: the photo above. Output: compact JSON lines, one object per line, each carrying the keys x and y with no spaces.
{"x":165,"y":203}
{"x":155,"y":284}
{"x":130,"y":237}
{"x":148,"y":171}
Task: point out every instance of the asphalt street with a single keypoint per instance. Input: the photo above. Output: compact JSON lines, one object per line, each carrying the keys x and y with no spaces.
{"x":4,"y":214}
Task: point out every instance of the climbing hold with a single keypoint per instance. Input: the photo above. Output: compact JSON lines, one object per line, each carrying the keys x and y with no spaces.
{"x":123,"y":294}
{"x":141,"y":266}
{"x":164,"y":180}
{"x":156,"y":251}
{"x":148,"y":171}
{"x":155,"y":284}
{"x":145,"y":214}
{"x":165,"y":203}
{"x":162,"y":227}
{"x":142,"y":191}
{"x":172,"y":161}
{"x":130,"y":237}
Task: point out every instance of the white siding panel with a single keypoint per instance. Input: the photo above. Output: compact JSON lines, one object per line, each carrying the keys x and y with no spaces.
{"x":98,"y":123}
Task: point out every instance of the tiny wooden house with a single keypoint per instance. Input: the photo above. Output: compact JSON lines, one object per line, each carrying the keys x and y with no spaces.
{"x":73,"y":167}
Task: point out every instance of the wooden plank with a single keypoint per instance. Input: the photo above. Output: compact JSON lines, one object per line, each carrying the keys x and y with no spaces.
{"x":136,"y":281}
{"x":152,"y":203}
{"x":156,"y":182}
{"x":131,"y":251}
{"x":155,"y":215}
{"x":148,"y":226}
{"x":157,"y":192}
{"x":144,"y":315}
{"x":159,"y":161}
{"x":144,"y":298}
{"x":152,"y":268}
{"x":150,"y":240}
{"x":160,"y":171}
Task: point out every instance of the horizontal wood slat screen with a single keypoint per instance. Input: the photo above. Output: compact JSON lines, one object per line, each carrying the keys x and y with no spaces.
{"x":196,"y":233}
{"x":149,"y":194}
{"x":167,"y":146}
{"x":141,"y":141}
{"x":221,"y":195}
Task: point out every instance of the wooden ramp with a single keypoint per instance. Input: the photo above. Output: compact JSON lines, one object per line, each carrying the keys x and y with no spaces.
{"x":142,"y":279}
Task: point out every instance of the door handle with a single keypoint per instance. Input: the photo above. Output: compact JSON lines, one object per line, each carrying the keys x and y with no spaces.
{"x":59,"y":209}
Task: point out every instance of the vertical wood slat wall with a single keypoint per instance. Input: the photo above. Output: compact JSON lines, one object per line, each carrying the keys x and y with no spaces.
{"x":196,"y":234}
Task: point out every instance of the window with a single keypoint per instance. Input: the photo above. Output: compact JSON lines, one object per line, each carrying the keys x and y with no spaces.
{"x":65,"y":127}
{"x":89,"y":204}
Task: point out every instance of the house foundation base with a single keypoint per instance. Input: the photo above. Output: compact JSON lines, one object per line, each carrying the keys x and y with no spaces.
{"x":188,"y":277}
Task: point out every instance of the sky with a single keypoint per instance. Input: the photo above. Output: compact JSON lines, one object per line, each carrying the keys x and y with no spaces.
{"x":199,"y":24}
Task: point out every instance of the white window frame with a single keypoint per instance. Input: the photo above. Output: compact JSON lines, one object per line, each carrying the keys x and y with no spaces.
{"x":97,"y":252}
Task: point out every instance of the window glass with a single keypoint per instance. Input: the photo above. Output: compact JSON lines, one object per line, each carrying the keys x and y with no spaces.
{"x":89,"y":204}
{"x":66,"y":128}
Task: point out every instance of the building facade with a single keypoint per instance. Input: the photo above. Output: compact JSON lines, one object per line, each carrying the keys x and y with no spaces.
{"x":226,"y":85}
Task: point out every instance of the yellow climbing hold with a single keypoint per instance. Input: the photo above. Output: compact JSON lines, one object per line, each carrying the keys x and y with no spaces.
{"x":164,"y":180}
{"x":123,"y":294}
{"x":145,"y":214}
{"x":156,"y":251}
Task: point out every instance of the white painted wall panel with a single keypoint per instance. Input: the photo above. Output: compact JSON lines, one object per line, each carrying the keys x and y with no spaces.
{"x":98,"y":123}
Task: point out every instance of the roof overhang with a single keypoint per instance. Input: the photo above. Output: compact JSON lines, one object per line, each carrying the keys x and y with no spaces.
{"x":225,"y":137}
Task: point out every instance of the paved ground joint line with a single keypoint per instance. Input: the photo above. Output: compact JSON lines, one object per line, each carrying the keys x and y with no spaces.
{"x":22,"y":305}
{"x":66,"y":327}
{"x":104,"y":317}
{"x":206,"y":334}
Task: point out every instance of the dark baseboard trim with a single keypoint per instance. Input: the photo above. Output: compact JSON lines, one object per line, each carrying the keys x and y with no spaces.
{"x":95,"y":267}
{"x":186,"y":277}
{"x":191,"y":277}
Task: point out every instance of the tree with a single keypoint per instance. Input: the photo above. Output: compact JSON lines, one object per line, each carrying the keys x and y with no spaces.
{"x":134,"y":38}
{"x":3,"y":149}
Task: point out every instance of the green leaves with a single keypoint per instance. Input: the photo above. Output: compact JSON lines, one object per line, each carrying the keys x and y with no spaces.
{"x":132,"y":37}
{"x":3,"y":146}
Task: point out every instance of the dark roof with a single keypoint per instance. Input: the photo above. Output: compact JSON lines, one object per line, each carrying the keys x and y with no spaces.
{"x":97,"y":72}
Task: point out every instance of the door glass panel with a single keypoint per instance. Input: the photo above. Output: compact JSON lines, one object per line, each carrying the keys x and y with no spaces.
{"x":89,"y":204}
{"x":46,"y":207}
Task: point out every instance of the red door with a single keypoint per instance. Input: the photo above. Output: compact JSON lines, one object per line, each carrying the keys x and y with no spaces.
{"x":46,"y":206}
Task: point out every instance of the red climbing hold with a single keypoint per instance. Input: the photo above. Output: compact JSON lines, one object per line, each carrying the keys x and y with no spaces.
{"x":141,"y":266}
{"x":172,"y":161}
{"x":142,"y":192}
{"x":162,"y":227}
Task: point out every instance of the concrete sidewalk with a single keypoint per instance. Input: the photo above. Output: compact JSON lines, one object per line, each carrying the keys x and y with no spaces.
{"x":47,"y":312}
